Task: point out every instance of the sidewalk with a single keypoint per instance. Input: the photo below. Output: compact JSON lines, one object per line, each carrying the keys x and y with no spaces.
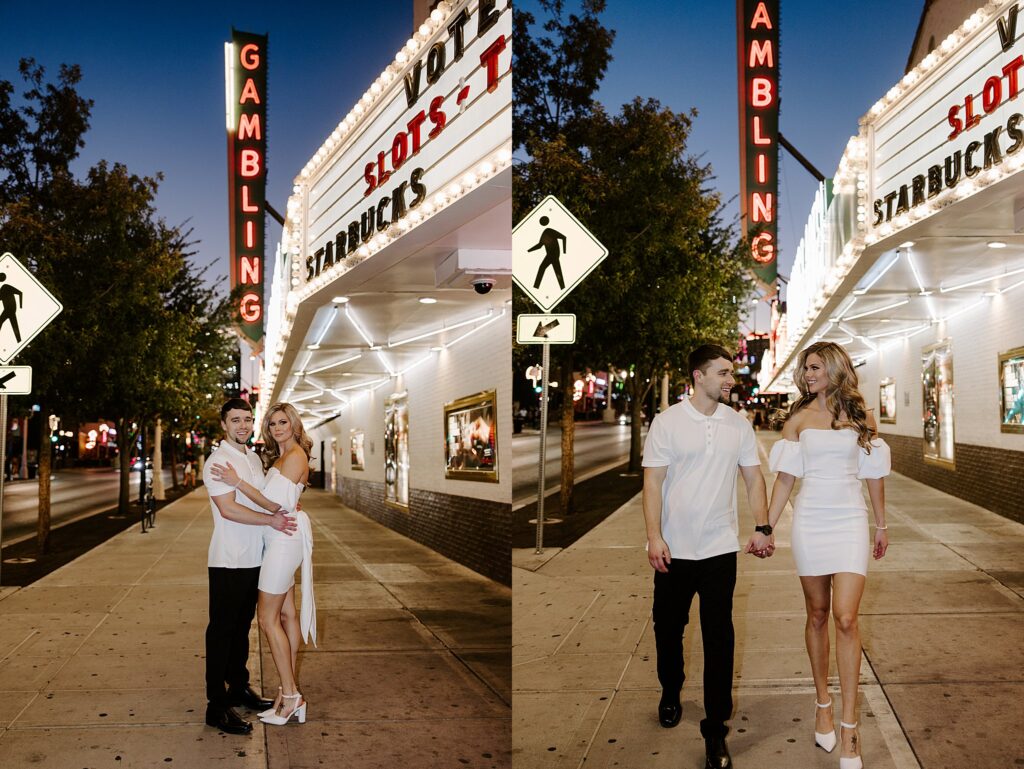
{"x":101,"y":662}
{"x":941,"y":621}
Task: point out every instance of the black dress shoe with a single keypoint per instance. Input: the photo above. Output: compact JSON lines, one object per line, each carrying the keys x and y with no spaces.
{"x":717,"y":754}
{"x":670,"y":710}
{"x":249,"y":699}
{"x":227,"y":720}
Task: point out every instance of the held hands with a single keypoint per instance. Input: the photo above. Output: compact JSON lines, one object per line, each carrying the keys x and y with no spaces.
{"x":226,"y":474}
{"x":658,"y":555}
{"x":881,"y":543}
{"x":760,"y":545}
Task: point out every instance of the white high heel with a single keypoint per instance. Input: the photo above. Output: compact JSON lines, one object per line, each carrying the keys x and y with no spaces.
{"x":273,"y":708}
{"x":852,"y":762}
{"x":826,"y":741}
{"x":299,"y":712}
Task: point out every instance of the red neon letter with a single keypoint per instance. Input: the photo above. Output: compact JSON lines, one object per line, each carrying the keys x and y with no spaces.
{"x":371,"y":180}
{"x":762,"y":248}
{"x":414,"y":130}
{"x":399,"y":149}
{"x":761,"y":54}
{"x":760,"y":138}
{"x":249,"y":127}
{"x":250,"y":234}
{"x":382,"y":175}
{"x":992,"y":94}
{"x":489,"y":59}
{"x":972,"y":119}
{"x":761,"y":207}
{"x":250,"y":56}
{"x":249,"y":92}
{"x":249,"y":271}
{"x":761,"y":92}
{"x":1010,"y":70}
{"x":761,"y":17}
{"x":762,"y":168}
{"x":437,"y":117}
{"x":250,"y":163}
{"x":247,"y":207}
{"x":955,"y":122}
{"x":249,"y":308}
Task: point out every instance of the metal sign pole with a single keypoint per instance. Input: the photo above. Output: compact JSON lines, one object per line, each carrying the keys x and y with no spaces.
{"x":3,"y":466}
{"x":545,"y":364}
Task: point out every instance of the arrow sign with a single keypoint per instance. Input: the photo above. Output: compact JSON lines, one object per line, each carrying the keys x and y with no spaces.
{"x":543,"y":330}
{"x":15,"y":380}
{"x":553,"y":329}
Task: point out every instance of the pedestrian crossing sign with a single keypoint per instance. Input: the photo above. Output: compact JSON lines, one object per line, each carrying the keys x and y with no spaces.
{"x":26,"y":307}
{"x":552,"y":252}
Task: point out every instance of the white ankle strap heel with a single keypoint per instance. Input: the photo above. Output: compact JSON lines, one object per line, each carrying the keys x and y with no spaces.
{"x":826,"y":741}
{"x":299,"y":712}
{"x":852,"y":762}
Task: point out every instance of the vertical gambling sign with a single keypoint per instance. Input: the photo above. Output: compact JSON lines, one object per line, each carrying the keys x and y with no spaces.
{"x":245,"y":61}
{"x":758,"y":48}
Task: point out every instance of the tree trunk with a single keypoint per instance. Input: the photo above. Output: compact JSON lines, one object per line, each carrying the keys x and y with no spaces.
{"x":142,"y":460}
{"x":43,"y":526}
{"x":568,"y":435}
{"x":638,"y":392}
{"x":125,"y":441}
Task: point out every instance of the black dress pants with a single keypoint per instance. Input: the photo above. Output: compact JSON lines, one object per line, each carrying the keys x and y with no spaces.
{"x":232,"y":607}
{"x":713,"y":579}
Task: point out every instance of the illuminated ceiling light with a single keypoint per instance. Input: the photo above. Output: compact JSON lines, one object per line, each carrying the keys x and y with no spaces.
{"x":996,"y":244}
{"x":961,"y":311}
{"x":944,"y":290}
{"x":878,"y":277}
{"x":427,"y":300}
{"x":877,"y":309}
{"x":340,"y":300}
{"x":1010,"y":288}
{"x":299,"y":373}
{"x":336,"y":364}
{"x":436,"y":349}
{"x":907,"y":244}
{"x":424,"y":335}
{"x":899,"y":331}
{"x":312,"y":347}
{"x":474,"y":330}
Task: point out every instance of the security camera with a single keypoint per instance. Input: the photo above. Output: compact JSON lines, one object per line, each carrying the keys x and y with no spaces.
{"x":483,"y":285}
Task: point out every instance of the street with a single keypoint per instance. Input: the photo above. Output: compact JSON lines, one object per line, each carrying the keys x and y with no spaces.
{"x":73,"y":494}
{"x":597,"y":446}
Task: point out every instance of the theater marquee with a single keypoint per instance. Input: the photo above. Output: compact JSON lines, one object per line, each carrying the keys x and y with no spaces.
{"x":245,"y":60}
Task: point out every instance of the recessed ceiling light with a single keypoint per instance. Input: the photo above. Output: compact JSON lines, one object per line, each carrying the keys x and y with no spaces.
{"x":299,"y":373}
{"x":312,"y":347}
{"x":316,"y":401}
{"x":346,"y":373}
{"x":340,"y":300}
{"x":907,"y":244}
{"x":427,"y":300}
{"x":996,"y":244}
{"x":436,"y":349}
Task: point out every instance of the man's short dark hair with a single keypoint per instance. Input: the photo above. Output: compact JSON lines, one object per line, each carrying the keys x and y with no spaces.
{"x":703,"y":355}
{"x":234,"y":403}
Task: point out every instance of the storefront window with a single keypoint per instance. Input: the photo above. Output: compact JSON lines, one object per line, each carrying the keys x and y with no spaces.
{"x":937,"y":383}
{"x":1011,"y":391}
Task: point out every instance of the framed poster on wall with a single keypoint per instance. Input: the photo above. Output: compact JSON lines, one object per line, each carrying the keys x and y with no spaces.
{"x":937,"y":390}
{"x":471,"y":438}
{"x":357,"y":454}
{"x":396,"y":449}
{"x":887,"y":401}
{"x":1011,"y":391}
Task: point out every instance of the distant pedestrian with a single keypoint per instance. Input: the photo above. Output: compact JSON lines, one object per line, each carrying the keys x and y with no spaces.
{"x":189,"y":474}
{"x":693,"y":453}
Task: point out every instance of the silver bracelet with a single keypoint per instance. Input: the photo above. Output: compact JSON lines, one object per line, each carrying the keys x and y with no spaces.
{"x":883,"y":528}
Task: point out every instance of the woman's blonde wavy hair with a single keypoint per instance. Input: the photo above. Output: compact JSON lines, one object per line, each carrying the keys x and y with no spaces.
{"x":271,"y":451}
{"x":841,"y":395}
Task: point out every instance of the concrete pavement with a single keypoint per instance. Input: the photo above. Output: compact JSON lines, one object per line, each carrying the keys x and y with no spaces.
{"x":941,"y":621}
{"x":101,"y":662}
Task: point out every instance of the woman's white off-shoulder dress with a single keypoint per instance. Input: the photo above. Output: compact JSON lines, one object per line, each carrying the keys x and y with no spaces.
{"x":830,"y":522}
{"x":283,"y":554}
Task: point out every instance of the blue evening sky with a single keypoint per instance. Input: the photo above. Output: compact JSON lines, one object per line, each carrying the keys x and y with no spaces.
{"x":837,"y":58}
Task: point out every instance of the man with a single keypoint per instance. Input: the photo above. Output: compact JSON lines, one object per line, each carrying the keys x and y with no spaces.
{"x":691,"y":458}
{"x":236,"y":550}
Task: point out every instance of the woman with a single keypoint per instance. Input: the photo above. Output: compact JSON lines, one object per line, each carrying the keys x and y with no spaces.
{"x":828,"y":440}
{"x":287,"y":457}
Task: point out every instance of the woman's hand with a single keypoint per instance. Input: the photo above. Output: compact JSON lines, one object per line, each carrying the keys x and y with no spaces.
{"x":881,"y":542}
{"x":227,"y":474}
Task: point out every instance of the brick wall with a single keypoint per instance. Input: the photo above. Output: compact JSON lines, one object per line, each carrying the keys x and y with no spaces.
{"x":475,"y":532}
{"x":989,"y":477}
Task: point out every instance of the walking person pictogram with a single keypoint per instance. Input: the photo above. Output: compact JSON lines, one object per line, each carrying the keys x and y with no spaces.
{"x":549,"y":239}
{"x":9,"y":295}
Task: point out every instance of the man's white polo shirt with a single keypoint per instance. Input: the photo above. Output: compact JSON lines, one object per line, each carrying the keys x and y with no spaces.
{"x":234,"y":545}
{"x":702,"y":454}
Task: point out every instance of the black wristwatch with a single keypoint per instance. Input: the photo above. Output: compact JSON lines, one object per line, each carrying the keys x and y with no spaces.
{"x":766,"y":529}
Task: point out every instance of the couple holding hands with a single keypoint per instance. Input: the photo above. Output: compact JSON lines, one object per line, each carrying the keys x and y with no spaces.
{"x":692,"y":455}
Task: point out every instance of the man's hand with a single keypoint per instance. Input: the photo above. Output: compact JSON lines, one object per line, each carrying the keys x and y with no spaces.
{"x":658,"y":555}
{"x":282,"y":523}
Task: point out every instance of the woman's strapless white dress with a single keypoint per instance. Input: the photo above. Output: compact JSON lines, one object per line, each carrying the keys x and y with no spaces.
{"x":830,"y":522}
{"x":283,"y":554}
